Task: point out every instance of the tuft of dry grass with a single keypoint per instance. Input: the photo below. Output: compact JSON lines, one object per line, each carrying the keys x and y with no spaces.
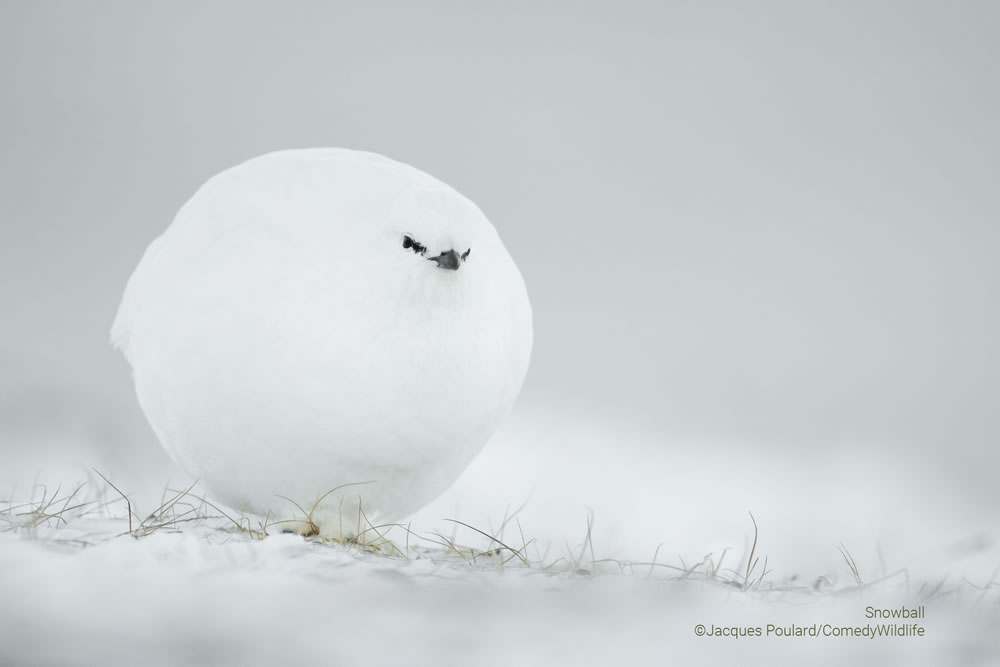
{"x":47,"y":509}
{"x":183,"y":508}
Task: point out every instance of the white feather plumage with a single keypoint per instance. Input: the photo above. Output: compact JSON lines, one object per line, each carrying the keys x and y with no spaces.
{"x":284,"y":342}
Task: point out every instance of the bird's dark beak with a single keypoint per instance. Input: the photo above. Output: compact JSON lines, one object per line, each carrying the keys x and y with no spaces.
{"x":448,"y":260}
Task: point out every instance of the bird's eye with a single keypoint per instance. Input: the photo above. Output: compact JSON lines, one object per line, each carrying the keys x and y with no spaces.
{"x":465,"y":255}
{"x":410,"y":244}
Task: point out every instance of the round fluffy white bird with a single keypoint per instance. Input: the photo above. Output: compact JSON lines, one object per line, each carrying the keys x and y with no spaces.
{"x":326,"y":319}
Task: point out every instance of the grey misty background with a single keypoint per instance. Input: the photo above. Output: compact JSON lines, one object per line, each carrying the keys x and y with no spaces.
{"x":768,"y":223}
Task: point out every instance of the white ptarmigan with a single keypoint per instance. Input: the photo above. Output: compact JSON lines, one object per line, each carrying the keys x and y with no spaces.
{"x":320,"y":318}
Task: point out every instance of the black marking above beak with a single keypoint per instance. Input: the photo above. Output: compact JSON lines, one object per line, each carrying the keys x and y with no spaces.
{"x":448,"y":260}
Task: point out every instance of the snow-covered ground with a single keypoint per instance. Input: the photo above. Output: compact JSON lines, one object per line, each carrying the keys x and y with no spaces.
{"x":667,"y":550}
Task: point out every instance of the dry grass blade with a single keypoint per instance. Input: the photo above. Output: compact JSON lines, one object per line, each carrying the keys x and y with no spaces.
{"x":653,"y":564}
{"x":588,"y":540}
{"x":313,"y":529}
{"x":751,"y":563}
{"x":851,"y":565}
{"x":336,"y":488}
{"x":381,"y":536}
{"x":447,"y":543}
{"x":519,"y":555}
{"x":169,"y":505}
{"x":127,"y":501}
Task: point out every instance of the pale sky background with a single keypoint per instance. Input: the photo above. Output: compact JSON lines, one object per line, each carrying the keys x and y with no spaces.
{"x":776,"y":221}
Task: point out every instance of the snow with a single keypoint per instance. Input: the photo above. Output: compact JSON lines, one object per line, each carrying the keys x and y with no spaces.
{"x":83,"y":591}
